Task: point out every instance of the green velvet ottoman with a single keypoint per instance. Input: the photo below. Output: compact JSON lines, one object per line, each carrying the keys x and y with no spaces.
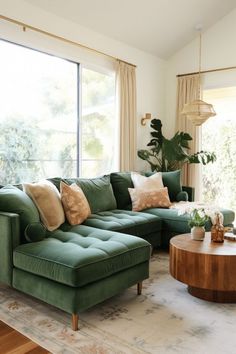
{"x":76,"y":270}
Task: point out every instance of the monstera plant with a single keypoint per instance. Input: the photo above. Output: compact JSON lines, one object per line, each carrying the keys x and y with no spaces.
{"x":171,"y":154}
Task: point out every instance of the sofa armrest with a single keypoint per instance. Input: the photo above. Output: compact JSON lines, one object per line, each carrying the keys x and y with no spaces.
{"x":190,"y":191}
{"x":9,"y":239}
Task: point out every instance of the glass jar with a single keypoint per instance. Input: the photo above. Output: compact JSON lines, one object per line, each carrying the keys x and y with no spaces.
{"x":217,"y":230}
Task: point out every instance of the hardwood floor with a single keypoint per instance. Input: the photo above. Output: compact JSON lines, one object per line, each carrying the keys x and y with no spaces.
{"x":13,"y":342}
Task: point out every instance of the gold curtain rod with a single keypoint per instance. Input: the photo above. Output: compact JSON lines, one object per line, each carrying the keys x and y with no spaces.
{"x":207,"y":71}
{"x":35,"y":29}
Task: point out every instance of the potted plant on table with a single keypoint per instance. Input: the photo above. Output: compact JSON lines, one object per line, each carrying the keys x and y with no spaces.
{"x":198,"y":219}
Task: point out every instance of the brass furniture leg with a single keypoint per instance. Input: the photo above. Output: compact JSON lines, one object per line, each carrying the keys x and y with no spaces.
{"x":139,"y":288}
{"x":75,"y":319}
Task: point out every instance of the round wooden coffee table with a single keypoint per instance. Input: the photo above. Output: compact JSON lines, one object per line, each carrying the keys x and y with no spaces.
{"x":208,"y":268}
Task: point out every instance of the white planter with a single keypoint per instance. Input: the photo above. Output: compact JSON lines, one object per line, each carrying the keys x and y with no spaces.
{"x":198,"y":233}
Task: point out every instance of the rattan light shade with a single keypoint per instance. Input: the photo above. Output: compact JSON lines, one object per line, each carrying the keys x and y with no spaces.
{"x":198,"y":111}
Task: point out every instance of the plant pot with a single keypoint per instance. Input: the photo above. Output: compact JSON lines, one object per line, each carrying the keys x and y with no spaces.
{"x":198,"y":233}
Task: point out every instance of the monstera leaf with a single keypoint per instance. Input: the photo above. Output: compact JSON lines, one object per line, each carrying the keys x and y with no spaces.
{"x":171,"y":154}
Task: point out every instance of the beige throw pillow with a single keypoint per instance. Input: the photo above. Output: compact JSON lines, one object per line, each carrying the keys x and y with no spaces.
{"x":147,"y":183}
{"x":75,"y":204}
{"x":142,"y":199}
{"x":47,"y":199}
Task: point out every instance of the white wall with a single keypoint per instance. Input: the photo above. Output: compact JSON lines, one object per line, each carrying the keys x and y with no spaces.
{"x":218,"y":50}
{"x":150,"y":69}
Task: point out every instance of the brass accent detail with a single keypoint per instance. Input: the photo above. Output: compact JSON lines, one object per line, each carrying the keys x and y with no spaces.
{"x":207,"y":71}
{"x":36,"y":29}
{"x":147,"y":116}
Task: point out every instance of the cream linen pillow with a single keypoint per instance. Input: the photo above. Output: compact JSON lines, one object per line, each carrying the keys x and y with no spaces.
{"x":47,"y":199}
{"x":142,"y":199}
{"x":74,"y":202}
{"x":147,"y":183}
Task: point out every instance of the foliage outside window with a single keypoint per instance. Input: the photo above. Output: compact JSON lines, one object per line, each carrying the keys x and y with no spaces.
{"x":219,"y":135}
{"x":98,"y":133}
{"x":39,"y":117}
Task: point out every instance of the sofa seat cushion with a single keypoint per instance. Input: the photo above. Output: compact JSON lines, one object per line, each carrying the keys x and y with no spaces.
{"x":81,"y":257}
{"x":179,"y":223}
{"x":134,"y":223}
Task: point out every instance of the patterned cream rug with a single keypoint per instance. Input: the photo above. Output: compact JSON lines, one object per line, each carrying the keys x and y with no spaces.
{"x":164,"y":319}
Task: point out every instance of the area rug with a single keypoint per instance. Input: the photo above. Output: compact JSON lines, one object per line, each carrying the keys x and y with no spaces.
{"x":164,"y":319}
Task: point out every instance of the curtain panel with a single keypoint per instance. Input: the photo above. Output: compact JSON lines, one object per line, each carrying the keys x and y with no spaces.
{"x":127,"y":110}
{"x":187,"y":91}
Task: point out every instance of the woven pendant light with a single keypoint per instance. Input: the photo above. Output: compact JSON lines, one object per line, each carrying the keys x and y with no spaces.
{"x":198,"y":111}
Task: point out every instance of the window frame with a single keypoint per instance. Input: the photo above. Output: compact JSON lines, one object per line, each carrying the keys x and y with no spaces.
{"x":90,"y":66}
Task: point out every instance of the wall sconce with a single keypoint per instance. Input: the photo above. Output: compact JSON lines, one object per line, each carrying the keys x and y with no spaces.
{"x":147,"y":116}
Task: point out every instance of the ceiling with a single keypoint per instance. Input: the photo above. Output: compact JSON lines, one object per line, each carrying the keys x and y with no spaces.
{"x":160,"y":27}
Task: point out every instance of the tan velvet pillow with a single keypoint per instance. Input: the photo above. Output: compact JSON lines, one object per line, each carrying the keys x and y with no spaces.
{"x":142,"y":199}
{"x":47,"y":199}
{"x":74,"y":202}
{"x":147,"y":183}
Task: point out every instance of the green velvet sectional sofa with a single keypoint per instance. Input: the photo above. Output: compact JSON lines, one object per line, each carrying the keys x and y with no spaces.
{"x":76,"y":267}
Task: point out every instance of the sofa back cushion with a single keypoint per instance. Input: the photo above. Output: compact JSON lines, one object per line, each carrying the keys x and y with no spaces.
{"x":121,"y":181}
{"x":98,"y":191}
{"x":13,"y":200}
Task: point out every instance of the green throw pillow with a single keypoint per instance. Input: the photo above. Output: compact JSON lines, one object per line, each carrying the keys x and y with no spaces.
{"x":56,"y":181}
{"x":13,"y":200}
{"x":35,"y":232}
{"x":171,"y":180}
{"x":121,"y":181}
{"x":99,"y":193}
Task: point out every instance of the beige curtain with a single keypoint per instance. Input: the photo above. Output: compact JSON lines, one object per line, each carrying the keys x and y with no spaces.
{"x":187,"y":91}
{"x":126,"y":84}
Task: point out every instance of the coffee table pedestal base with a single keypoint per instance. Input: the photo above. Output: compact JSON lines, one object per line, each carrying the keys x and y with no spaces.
{"x":213,"y":295}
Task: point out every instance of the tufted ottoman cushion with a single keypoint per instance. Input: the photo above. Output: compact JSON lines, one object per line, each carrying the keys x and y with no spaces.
{"x":81,"y":257}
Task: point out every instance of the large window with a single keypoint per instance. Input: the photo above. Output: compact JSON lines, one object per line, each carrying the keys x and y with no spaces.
{"x":98,"y":128}
{"x":41,"y":134}
{"x":219,"y":135}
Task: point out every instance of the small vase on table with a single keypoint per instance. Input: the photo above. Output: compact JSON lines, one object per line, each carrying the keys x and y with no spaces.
{"x":198,"y":233}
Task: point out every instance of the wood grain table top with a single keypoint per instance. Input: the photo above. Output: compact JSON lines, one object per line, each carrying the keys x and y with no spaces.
{"x":185,"y":243}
